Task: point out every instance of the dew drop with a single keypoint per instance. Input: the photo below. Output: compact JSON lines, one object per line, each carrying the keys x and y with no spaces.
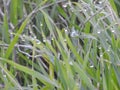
{"x":71,"y":63}
{"x":100,"y":47}
{"x":66,"y":30}
{"x":85,"y":10}
{"x":11,"y":32}
{"x":24,"y":35}
{"x":101,"y":55}
{"x":100,"y":2}
{"x":23,"y":39}
{"x":35,"y":37}
{"x":4,"y":76}
{"x":91,"y":66}
{"x":28,"y":85}
{"x":98,"y":32}
{"x":94,"y":2}
{"x":64,"y":5}
{"x":38,"y":42}
{"x":65,"y":40}
{"x":106,"y":39}
{"x":44,"y":40}
{"x":52,"y":38}
{"x":113,"y":31}
{"x":98,"y":84}
{"x":108,"y":50}
{"x":41,"y":24}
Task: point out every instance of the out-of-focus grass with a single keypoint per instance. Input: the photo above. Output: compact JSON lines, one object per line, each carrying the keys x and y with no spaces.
{"x":59,"y":45}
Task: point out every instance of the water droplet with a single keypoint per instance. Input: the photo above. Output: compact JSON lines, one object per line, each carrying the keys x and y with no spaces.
{"x":44,"y":40}
{"x":108,"y":50}
{"x":4,"y":76}
{"x":52,"y":38}
{"x":11,"y":32}
{"x":94,"y":2}
{"x":92,"y":13}
{"x":65,"y":40}
{"x":85,"y":10}
{"x":101,"y":55}
{"x":113,"y":31}
{"x":35,"y":37}
{"x":100,"y":47}
{"x":37,"y":41}
{"x":23,"y":39}
{"x":66,"y":30}
{"x":24,"y":35}
{"x":91,"y":66}
{"x":98,"y":32}
{"x":29,"y":85}
{"x":100,"y":2}
{"x":41,"y":24}
{"x":106,"y":39}
{"x":65,"y":5}
{"x":71,"y":63}
{"x":98,"y":84}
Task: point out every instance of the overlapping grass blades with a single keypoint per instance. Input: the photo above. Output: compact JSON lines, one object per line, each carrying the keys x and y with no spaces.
{"x":60,"y":45}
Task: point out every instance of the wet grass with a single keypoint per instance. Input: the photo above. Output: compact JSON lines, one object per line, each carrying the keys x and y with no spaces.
{"x":59,"y":45}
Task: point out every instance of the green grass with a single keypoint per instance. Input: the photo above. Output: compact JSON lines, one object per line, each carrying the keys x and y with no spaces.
{"x":59,"y":45}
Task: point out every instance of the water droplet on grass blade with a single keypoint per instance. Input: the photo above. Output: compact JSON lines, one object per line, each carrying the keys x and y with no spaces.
{"x":85,"y":10}
{"x":65,"y":5}
{"x":71,"y":63}
{"x":91,"y":66}
{"x":101,"y":55}
{"x":99,"y":47}
{"x":65,"y":40}
{"x":35,"y":37}
{"x":4,"y":76}
{"x":100,"y":2}
{"x":23,"y":39}
{"x":41,"y":24}
{"x":24,"y":35}
{"x":37,"y":41}
{"x":113,"y":31}
{"x":44,"y":40}
{"x":98,"y":32}
{"x":66,"y":30}
{"x":106,"y":39}
{"x":52,"y":38}
{"x":108,"y":50}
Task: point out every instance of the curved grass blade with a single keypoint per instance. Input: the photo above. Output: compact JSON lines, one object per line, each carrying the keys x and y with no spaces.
{"x":31,"y":72}
{"x":9,"y":74}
